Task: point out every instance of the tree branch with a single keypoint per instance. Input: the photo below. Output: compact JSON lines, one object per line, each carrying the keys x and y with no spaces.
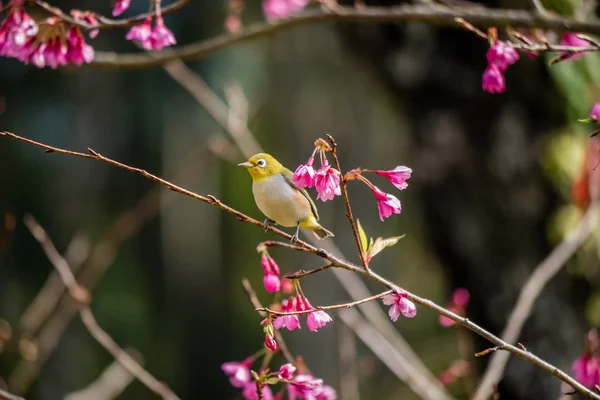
{"x":409,"y":13}
{"x":339,"y":263}
{"x":542,"y":274}
{"x":88,"y":319}
{"x":4,"y":395}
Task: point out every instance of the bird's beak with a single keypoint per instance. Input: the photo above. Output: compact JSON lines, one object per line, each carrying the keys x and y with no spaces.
{"x":245,"y":164}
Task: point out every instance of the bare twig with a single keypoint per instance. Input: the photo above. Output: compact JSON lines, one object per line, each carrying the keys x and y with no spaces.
{"x":278,"y":337}
{"x":344,"y":185}
{"x":4,"y":395}
{"x":104,"y":22}
{"x":409,"y":13}
{"x":302,"y":273}
{"x":542,"y":274}
{"x":338,"y":263}
{"x":87,"y":316}
{"x":325,"y":308}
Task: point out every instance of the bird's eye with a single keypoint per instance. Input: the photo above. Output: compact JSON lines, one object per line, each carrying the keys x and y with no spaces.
{"x":261,"y":163}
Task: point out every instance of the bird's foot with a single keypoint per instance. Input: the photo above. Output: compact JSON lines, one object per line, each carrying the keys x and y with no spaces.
{"x":266,"y":223}
{"x":294,"y":239}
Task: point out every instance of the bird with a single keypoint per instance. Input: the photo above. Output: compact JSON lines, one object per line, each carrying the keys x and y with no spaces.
{"x":279,"y":199}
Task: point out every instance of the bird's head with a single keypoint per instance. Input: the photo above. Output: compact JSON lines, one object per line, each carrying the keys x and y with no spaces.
{"x":262,"y":165}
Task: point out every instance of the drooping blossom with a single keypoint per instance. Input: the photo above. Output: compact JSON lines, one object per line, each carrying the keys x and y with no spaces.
{"x":305,"y":386}
{"x":17,"y":32}
{"x":328,"y":393}
{"x":286,"y":372}
{"x":251,"y":389}
{"x":457,"y":304}
{"x":271,"y":273}
{"x":387,"y":204}
{"x":571,"y":39}
{"x":280,"y":9}
{"x":141,"y":33}
{"x":233,"y":23}
{"x":502,"y":56}
{"x":492,"y":80}
{"x":304,"y":176}
{"x":78,"y":51}
{"x":286,"y":285}
{"x":595,"y":112}
{"x":316,"y":319}
{"x":400,"y":304}
{"x":586,"y":370}
{"x":327,"y":182}
{"x":238,"y":372}
{"x":270,"y":343}
{"x":120,"y":6}
{"x":89,"y":18}
{"x":161,"y":36}
{"x":290,"y":322}
{"x":397,"y":176}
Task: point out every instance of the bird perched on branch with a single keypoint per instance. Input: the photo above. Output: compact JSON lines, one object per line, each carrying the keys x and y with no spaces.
{"x":279,"y":199}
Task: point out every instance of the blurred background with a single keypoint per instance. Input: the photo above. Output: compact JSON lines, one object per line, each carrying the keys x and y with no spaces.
{"x":490,"y":196}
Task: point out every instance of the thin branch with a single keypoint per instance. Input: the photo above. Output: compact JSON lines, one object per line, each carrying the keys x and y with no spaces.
{"x":344,"y":185}
{"x":325,"y":308}
{"x":541,"y":275}
{"x":409,"y":13}
{"x":104,"y":22}
{"x":88,"y":318}
{"x":278,"y":337}
{"x":302,"y":273}
{"x":4,"y":395}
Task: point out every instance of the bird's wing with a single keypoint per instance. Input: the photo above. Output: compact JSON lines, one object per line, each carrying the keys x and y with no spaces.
{"x":287,"y":174}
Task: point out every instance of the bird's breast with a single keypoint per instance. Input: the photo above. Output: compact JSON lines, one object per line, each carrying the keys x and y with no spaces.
{"x":280,"y":202}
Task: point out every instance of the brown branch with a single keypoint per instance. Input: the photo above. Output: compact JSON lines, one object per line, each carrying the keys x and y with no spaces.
{"x":302,"y":273}
{"x":278,"y":337}
{"x":104,"y":22}
{"x":4,"y":395}
{"x":541,"y":275}
{"x":88,"y":318}
{"x":409,"y":13}
{"x":339,"y":263}
{"x":344,"y":185}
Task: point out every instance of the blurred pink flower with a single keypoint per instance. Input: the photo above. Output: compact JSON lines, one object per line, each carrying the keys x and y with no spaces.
{"x":400,"y":304}
{"x":120,"y":6}
{"x":238,"y":372}
{"x":286,"y":285}
{"x":586,"y":370}
{"x":279,"y":9}
{"x":161,"y":36}
{"x":571,"y":39}
{"x":78,"y":50}
{"x":595,"y":112}
{"x":250,"y":392}
{"x":233,"y":23}
{"x":141,"y":33}
{"x":398,"y":176}
{"x":16,"y":33}
{"x":270,"y":343}
{"x":286,"y":372}
{"x":87,"y":17}
{"x":502,"y":56}
{"x":492,"y":80}
{"x":305,"y":386}
{"x":290,"y":322}
{"x":457,"y":304}
{"x":460,"y":297}
{"x":328,"y":393}
{"x":327,"y":182}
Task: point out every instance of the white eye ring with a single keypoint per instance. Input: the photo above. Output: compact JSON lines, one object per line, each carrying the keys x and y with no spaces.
{"x":261,"y":163}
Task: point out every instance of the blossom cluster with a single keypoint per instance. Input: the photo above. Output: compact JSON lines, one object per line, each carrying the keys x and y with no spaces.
{"x":271,"y":272}
{"x":53,"y":42}
{"x":586,"y":368}
{"x":314,"y":320}
{"x":326,"y":181}
{"x":298,"y":385}
{"x":500,"y":56}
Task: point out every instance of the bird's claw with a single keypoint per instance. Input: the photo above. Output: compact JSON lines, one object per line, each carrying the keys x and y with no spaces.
{"x":294,"y":239}
{"x":266,"y":224}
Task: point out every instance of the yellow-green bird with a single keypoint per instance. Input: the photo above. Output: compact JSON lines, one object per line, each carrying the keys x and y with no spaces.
{"x":279,"y":199}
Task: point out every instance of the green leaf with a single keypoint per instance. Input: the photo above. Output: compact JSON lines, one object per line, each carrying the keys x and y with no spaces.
{"x":381,"y":243}
{"x":363,"y":236}
{"x":272,"y":381}
{"x":588,"y":120}
{"x":254,"y":375}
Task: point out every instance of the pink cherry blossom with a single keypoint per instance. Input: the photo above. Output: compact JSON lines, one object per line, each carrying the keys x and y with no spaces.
{"x":87,"y":17}
{"x":269,"y":265}
{"x":571,"y":39}
{"x":290,"y":322}
{"x":386,"y":203}
{"x":327,"y":183}
{"x":586,"y":370}
{"x":270,"y":343}
{"x":250,"y":392}
{"x":16,"y":33}
{"x":142,"y":33}
{"x":120,"y":6}
{"x":56,"y":53}
{"x":238,"y":372}
{"x":233,"y":23}
{"x":78,"y":51}
{"x":161,"y":36}
{"x":595,"y":113}
{"x":279,"y":9}
{"x":317,"y":320}
{"x":458,"y":303}
{"x":492,"y":80}
{"x":460,"y":297}
{"x":286,"y":285}
{"x":328,"y":393}
{"x":502,"y":56}
{"x":271,"y":273}
{"x":286,"y":372}
{"x":400,"y":304}
{"x":398,"y":176}
{"x":272,"y":283}
{"x":304,"y":176}
{"x":305,"y":386}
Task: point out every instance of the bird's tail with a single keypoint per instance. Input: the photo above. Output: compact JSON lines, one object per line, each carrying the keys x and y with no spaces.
{"x":321,"y":232}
